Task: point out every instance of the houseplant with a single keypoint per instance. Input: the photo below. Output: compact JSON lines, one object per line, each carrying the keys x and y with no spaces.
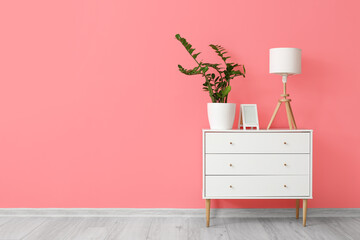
{"x":217,"y":82}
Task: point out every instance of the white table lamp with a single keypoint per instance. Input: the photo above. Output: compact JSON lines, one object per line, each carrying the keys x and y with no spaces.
{"x":285,"y":62}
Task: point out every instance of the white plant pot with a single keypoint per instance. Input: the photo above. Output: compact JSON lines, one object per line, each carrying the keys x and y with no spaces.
{"x":221,"y":115}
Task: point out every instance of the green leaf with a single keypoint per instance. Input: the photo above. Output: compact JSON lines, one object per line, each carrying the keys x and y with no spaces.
{"x":187,"y":45}
{"x":225,"y":91}
{"x":214,"y":66}
{"x":195,"y":55}
{"x":220,"y":51}
{"x":194,"y":71}
{"x":236,"y":73}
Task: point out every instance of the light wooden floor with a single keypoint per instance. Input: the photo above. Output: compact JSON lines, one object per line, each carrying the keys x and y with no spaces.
{"x":169,"y":228}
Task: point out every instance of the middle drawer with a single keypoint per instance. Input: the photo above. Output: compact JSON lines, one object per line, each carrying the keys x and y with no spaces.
{"x":238,"y":164}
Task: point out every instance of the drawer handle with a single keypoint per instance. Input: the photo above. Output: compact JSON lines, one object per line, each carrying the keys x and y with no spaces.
{"x":285,"y":143}
{"x":285,"y":164}
{"x":230,"y":165}
{"x":285,"y":185}
{"x":230,"y":142}
{"x":231,"y":186}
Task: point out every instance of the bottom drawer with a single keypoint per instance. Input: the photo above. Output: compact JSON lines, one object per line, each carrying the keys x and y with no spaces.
{"x":257,"y":186}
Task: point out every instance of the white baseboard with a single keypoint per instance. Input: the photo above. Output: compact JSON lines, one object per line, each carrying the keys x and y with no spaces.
{"x":175,"y":212}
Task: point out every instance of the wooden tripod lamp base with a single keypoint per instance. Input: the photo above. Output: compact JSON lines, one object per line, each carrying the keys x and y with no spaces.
{"x":290,"y":114}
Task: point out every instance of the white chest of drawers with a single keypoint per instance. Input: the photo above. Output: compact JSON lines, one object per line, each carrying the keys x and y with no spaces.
{"x":257,"y":164}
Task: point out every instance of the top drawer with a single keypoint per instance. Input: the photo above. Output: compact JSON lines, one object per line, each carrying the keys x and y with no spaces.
{"x":257,"y":142}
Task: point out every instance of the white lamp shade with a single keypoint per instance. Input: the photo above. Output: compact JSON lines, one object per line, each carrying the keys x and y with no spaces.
{"x":285,"y":61}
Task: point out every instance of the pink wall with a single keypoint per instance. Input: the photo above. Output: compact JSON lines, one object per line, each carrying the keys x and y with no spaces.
{"x":94,"y":113}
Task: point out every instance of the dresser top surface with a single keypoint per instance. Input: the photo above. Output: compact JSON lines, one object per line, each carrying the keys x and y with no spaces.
{"x":257,"y":131}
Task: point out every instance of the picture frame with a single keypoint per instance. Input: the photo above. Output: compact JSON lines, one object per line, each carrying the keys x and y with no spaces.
{"x":248,"y":116}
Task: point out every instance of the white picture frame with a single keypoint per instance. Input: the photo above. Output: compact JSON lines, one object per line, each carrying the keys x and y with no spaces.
{"x":248,"y":116}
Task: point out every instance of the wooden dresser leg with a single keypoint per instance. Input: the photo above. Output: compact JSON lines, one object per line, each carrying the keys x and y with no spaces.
{"x":304,"y":211}
{"x":297,"y":208}
{"x":208,"y":212}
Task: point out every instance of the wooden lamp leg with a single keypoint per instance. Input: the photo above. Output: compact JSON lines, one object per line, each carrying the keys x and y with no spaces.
{"x":304,"y":211}
{"x":274,"y":114}
{"x":297,"y":208}
{"x":288,"y":112}
{"x":292,"y":117}
{"x":208,"y":212}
